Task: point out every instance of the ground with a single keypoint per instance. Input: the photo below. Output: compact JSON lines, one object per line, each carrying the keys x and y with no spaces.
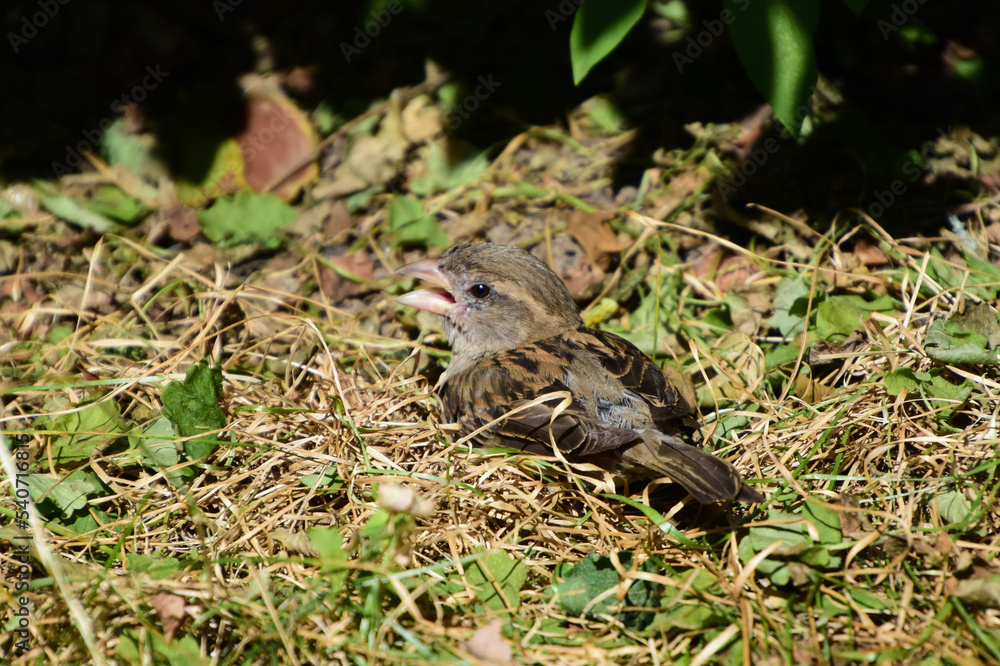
{"x":230,"y":433}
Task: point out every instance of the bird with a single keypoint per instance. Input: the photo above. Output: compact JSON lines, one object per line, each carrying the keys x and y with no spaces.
{"x":517,"y":335}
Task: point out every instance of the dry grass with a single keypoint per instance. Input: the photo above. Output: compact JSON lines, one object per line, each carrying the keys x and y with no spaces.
{"x":325,"y":407}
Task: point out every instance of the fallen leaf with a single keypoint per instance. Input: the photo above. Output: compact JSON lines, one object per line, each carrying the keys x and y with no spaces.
{"x":869,"y":254}
{"x":372,"y":160}
{"x":809,"y":390}
{"x":489,"y":644}
{"x":735,"y":271}
{"x":277,"y":138}
{"x":826,"y":352}
{"x":422,"y":120}
{"x":570,"y":262}
{"x":348,"y":275}
{"x":979,"y":591}
{"x":170,"y":608}
{"x":181,"y":223}
{"x":594,"y":234}
{"x":339,"y":225}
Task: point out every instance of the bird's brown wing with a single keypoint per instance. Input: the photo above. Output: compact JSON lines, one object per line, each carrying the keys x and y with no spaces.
{"x":636,"y":373}
{"x":497,"y":385}
{"x":659,"y":452}
{"x":581,"y":363}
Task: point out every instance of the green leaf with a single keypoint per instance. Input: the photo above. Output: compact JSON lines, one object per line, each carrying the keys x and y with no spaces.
{"x":825,"y":520}
{"x":73,"y":211}
{"x":93,"y":427}
{"x":944,"y":396}
{"x":157,"y":566}
{"x":443,"y":176}
{"x":374,"y":537}
{"x":842,"y":315}
{"x":803,"y":540}
{"x":409,"y":225}
{"x":790,"y":300}
{"x":193,"y":406}
{"x":981,"y":318}
{"x":983,"y":277}
{"x":111,"y":202}
{"x":578,"y":585}
{"x":868,"y":600}
{"x":69,"y":494}
{"x":247,"y":217}
{"x":688,"y":617}
{"x":327,"y":479}
{"x":856,"y":6}
{"x":184,"y":651}
{"x":138,"y":153}
{"x":903,"y":378}
{"x":604,"y":115}
{"x":598,"y":27}
{"x":158,"y":448}
{"x":583,"y":582}
{"x":774,"y":41}
{"x":951,"y":342}
{"x":494,"y":573}
{"x":953,"y":506}
{"x":330,"y":544}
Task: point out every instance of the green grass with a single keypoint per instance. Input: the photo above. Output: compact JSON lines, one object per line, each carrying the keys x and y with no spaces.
{"x":304,"y":503}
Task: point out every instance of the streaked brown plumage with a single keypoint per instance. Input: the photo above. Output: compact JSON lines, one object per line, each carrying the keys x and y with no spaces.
{"x":517,"y":334}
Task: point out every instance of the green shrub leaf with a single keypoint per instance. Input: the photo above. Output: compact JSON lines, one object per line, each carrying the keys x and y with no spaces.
{"x":247,"y":217}
{"x":774,"y":40}
{"x":598,"y":27}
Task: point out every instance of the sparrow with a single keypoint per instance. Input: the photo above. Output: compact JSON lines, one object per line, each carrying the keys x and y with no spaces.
{"x":516,"y":335}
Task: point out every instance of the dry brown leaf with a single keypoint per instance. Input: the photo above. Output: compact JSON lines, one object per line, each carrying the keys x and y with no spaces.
{"x":372,"y":160}
{"x":570,"y":262}
{"x":810,"y":390}
{"x":339,"y":224}
{"x":338,"y":286}
{"x":594,"y":234}
{"x":181,"y":223}
{"x":979,"y":591}
{"x":735,"y":271}
{"x":170,"y":608}
{"x":489,"y":644}
{"x":824,"y":352}
{"x":276,"y":138}
{"x":422,"y":120}
{"x":869,"y":253}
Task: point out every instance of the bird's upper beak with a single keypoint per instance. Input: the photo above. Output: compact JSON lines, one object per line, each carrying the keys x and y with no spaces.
{"x":436,"y":299}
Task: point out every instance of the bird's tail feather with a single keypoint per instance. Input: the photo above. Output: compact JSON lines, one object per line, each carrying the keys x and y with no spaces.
{"x":705,"y":476}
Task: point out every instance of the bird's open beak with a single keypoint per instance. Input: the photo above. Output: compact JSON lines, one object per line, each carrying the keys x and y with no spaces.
{"x":436,"y":299}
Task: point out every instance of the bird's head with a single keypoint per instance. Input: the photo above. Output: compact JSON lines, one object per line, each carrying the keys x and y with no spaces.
{"x":492,"y":298}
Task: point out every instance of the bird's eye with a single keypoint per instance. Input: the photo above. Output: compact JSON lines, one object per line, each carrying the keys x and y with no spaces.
{"x":480,"y":290}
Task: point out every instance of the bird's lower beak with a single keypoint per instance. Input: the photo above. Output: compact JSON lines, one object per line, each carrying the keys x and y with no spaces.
{"x":437,"y":299}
